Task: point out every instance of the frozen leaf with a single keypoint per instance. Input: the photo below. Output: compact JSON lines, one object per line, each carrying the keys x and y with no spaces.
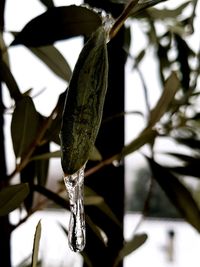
{"x":11,"y":197}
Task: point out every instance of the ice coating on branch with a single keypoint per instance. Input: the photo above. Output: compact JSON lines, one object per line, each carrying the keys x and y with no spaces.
{"x":75,"y":188}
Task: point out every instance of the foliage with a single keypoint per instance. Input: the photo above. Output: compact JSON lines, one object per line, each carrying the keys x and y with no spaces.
{"x":175,"y":116}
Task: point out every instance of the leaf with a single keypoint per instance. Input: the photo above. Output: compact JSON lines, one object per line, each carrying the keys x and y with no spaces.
{"x":183,"y":53}
{"x":27,"y":175}
{"x":7,"y":77}
{"x":101,"y":204}
{"x":11,"y":197}
{"x":58,"y":23}
{"x":95,"y":154}
{"x":171,"y":87}
{"x":54,"y":60}
{"x":24,"y":125}
{"x":42,"y":166}
{"x":142,"y":5}
{"x":47,"y":3}
{"x":36,"y":245}
{"x":162,"y":14}
{"x":130,"y":246}
{"x":54,"y":154}
{"x":177,"y":193}
{"x":145,"y":137}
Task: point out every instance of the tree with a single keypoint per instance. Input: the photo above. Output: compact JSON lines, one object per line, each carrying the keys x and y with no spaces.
{"x":169,"y":118}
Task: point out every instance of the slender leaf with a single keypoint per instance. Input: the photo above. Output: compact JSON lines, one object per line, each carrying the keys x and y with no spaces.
{"x":177,"y":193}
{"x":171,"y":87}
{"x":36,"y":245}
{"x":130,"y":246}
{"x":24,"y":125}
{"x":58,"y":23}
{"x":11,"y":197}
{"x":161,"y":14}
{"x":54,"y":60}
{"x":145,"y":137}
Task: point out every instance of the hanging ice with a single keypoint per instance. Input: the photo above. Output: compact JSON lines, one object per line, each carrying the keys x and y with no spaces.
{"x":76,"y":234}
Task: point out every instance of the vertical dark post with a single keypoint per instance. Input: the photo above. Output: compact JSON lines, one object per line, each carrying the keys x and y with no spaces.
{"x":5,"y":255}
{"x":4,"y":221}
{"x":109,"y":182}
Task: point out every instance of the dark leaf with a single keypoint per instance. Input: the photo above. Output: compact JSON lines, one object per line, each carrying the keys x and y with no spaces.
{"x":189,"y":142}
{"x":2,"y":7}
{"x":58,"y":23}
{"x":24,"y":125}
{"x":54,"y":60}
{"x":36,"y":245}
{"x":27,"y":175}
{"x":47,"y":3}
{"x":42,"y":166}
{"x":11,"y":197}
{"x":177,"y":193}
{"x":183,"y":57}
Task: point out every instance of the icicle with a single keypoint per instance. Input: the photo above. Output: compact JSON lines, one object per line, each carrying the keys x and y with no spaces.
{"x":76,"y":234}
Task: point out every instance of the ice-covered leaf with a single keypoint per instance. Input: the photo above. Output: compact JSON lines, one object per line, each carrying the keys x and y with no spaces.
{"x":58,"y":23}
{"x":11,"y":197}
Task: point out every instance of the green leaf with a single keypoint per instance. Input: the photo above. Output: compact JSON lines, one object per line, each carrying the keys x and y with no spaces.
{"x":11,"y":197}
{"x":161,"y":14}
{"x":145,"y":137}
{"x":54,"y":154}
{"x":101,"y":204}
{"x":54,"y":60}
{"x":24,"y":125}
{"x":177,"y":193}
{"x":95,"y":154}
{"x":130,"y":246}
{"x":36,"y":245}
{"x":171,"y":87}
{"x":58,"y":23}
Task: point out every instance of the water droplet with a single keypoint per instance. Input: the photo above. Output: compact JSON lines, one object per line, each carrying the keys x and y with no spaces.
{"x":76,"y":234}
